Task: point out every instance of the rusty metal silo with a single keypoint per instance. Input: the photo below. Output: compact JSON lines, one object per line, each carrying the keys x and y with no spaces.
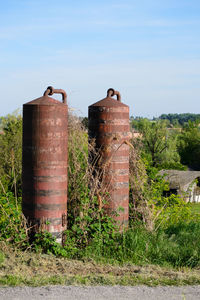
{"x":109,"y":125}
{"x":44,"y":162}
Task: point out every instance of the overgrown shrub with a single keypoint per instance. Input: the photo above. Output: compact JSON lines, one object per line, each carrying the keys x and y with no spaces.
{"x":12,"y":223}
{"x":156,"y":233}
{"x":11,"y":153}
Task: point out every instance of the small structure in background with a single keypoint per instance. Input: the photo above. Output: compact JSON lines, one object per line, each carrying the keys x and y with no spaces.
{"x":184,"y":183}
{"x":108,"y":124}
{"x":44,"y":163}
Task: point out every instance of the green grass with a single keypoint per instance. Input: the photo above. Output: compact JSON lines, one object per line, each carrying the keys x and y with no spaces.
{"x":165,"y":257}
{"x":195,"y":208}
{"x":91,"y":279}
{"x":2,"y":257}
{"x":176,"y":246}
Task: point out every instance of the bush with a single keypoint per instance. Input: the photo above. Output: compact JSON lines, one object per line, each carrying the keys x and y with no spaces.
{"x":11,"y":154}
{"x":156,"y":233}
{"x":12,"y":223}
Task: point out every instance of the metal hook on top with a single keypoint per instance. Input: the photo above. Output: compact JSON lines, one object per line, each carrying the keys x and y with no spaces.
{"x":111,"y":92}
{"x":50,"y":91}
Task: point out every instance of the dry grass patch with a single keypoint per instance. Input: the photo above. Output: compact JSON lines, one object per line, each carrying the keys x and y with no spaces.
{"x":25,"y":268}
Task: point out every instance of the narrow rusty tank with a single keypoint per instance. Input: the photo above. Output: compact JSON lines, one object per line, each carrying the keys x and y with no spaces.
{"x":109,"y":126}
{"x":44,"y":162}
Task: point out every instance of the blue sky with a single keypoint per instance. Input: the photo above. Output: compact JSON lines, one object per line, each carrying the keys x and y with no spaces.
{"x":149,"y":50}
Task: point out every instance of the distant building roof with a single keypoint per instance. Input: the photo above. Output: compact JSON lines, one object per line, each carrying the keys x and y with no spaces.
{"x":179,"y":179}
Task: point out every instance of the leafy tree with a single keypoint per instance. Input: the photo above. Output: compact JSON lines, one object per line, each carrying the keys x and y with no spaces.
{"x":189,"y":145}
{"x":159,"y":144}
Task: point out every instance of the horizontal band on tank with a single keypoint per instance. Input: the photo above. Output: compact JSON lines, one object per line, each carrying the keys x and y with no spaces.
{"x":43,"y":213}
{"x":117,"y":146}
{"x":43,"y":199}
{"x":53,"y":221}
{"x":115,"y":153}
{"x":116,"y":172}
{"x":50,"y":178}
{"x":123,"y":203}
{"x":97,"y":122}
{"x":121,"y":191}
{"x":59,"y":162}
{"x":34,"y":137}
{"x":44,"y":206}
{"x":43,"y":144}
{"x":121,"y":184}
{"x":45,"y":117}
{"x":34,"y":130}
{"x":44,"y":193}
{"x":47,"y":167}
{"x":53,"y":143}
{"x":120,"y":158}
{"x":116,"y":188}
{"x":116,"y":178}
{"x":114,"y":165}
{"x":44,"y":168}
{"x":103,"y":146}
{"x":49,"y":105}
{"x":106,"y":162}
{"x":44,"y":225}
{"x":34,"y":185}
{"x":98,"y":116}
{"x":35,"y":161}
{"x":62,"y":135}
{"x":46,"y":149}
{"x":107,"y":137}
{"x":113,"y":147}
{"x":107,"y":109}
{"x":55,"y":120}
{"x":110,"y":128}
{"x":54,"y":228}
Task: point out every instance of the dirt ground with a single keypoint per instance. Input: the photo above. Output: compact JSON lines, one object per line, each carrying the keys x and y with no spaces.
{"x":101,"y":292}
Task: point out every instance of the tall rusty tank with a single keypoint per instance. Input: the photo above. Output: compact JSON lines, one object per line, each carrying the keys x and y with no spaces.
{"x":109,"y":126}
{"x":44,"y":163}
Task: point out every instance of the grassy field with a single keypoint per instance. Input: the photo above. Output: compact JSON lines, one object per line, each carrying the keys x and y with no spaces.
{"x":169,"y":257}
{"x":25,"y":268}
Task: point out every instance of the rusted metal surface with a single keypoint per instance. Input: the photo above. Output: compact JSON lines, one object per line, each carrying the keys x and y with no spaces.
{"x":44,"y":167}
{"x":109,"y":125}
{"x":50,"y":91}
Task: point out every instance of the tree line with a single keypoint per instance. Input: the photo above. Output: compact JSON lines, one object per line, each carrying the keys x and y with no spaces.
{"x":180,"y":119}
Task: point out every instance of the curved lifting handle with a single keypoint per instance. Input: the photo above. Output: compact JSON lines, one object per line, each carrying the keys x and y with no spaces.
{"x":50,"y":91}
{"x":111,"y":92}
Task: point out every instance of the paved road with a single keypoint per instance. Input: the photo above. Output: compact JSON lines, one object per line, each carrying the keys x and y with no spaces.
{"x":100,"y":292}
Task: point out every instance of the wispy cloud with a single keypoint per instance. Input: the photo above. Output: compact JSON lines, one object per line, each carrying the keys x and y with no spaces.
{"x":148,"y":49}
{"x":150,"y":87}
